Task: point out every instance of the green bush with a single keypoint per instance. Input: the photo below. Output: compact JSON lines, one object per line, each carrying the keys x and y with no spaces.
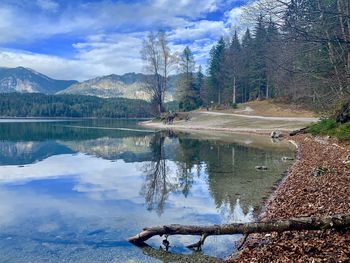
{"x":323,"y":127}
{"x":234,"y":105}
{"x":343,"y":132}
{"x":332,"y":128}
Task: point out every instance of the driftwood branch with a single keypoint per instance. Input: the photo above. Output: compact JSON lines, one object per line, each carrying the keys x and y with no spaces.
{"x":300,"y":131}
{"x":295,"y":224}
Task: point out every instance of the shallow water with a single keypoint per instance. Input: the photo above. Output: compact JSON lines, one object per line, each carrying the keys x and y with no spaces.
{"x":74,"y":191}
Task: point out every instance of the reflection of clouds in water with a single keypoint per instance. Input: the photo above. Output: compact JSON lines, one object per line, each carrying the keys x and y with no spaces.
{"x":93,"y":175}
{"x":7,"y":209}
{"x":50,"y":168}
{"x":112,"y":181}
{"x":237,"y":215}
{"x":199,"y":201}
{"x":23,"y":203}
{"x":99,"y":179}
{"x":94,"y":181}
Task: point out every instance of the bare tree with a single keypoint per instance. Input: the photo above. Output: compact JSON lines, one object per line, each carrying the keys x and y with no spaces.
{"x":159,"y":63}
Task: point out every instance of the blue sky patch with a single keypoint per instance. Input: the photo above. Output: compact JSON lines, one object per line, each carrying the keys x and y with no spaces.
{"x":84,"y":39}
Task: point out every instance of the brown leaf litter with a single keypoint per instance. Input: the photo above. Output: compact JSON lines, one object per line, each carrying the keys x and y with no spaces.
{"x":304,"y":194}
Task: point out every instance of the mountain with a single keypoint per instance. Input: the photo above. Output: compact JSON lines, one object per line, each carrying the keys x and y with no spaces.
{"x":22,"y":79}
{"x":129,"y":85}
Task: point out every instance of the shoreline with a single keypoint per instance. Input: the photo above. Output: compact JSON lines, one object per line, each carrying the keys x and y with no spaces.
{"x":298,"y":194}
{"x":301,"y":194}
{"x":229,"y":122}
{"x":176,"y":127}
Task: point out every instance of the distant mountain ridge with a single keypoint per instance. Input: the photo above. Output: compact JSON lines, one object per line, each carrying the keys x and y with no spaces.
{"x":22,"y":79}
{"x":129,"y":85}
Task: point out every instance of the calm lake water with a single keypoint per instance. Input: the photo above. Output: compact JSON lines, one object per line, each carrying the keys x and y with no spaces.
{"x":74,"y":191}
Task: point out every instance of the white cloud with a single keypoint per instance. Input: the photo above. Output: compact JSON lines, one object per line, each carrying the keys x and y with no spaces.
{"x":48,"y":5}
{"x":116,"y":55}
{"x":80,"y":19}
{"x":198,"y":30}
{"x":103,"y":47}
{"x":234,"y":16}
{"x":52,"y":66}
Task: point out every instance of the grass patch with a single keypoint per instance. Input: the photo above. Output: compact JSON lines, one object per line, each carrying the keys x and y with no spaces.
{"x":343,"y":132}
{"x":332,"y":128}
{"x":323,"y":127}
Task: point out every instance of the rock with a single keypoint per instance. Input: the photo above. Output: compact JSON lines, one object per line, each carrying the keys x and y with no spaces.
{"x":343,"y":114}
{"x":275,"y":135}
{"x":347,"y":161}
{"x":318,"y":171}
{"x":261,"y":168}
{"x":285,"y":158}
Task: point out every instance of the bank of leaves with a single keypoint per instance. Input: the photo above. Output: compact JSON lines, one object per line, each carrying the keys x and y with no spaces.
{"x":302,"y":194}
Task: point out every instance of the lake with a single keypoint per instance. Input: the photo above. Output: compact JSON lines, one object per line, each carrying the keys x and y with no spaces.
{"x":74,"y":191}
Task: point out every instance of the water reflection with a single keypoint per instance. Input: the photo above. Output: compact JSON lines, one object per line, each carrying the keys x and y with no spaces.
{"x":230,"y":169}
{"x":72,"y":194}
{"x":158,"y":183}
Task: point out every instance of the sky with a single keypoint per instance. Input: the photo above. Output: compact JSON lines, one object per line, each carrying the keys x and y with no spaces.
{"x":80,"y":40}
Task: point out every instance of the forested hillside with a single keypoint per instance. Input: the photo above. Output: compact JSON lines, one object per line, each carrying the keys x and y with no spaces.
{"x":40,"y":105}
{"x":298,"y":51}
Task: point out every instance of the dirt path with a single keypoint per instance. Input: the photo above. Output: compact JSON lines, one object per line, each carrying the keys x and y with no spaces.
{"x":232,"y":122}
{"x":293,"y":119}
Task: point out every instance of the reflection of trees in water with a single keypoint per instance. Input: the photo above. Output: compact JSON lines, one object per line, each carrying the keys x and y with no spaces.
{"x":187,"y":158}
{"x":157,"y":185}
{"x":237,"y":215}
{"x":230,"y":169}
{"x":160,"y":181}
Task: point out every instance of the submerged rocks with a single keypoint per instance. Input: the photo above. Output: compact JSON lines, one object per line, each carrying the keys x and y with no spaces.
{"x":261,"y":168}
{"x":275,"y":135}
{"x":286,"y":158}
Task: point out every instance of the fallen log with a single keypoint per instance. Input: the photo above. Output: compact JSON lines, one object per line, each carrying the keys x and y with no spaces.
{"x":294,"y":224}
{"x":296,"y":132}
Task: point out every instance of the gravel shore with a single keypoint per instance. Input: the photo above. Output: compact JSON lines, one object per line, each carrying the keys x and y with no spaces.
{"x":302,"y":194}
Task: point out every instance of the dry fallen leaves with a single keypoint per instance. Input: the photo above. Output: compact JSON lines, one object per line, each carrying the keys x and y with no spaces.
{"x":302,"y":194}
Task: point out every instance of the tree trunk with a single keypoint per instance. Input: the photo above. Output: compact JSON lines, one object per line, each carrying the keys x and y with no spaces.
{"x":295,"y":224}
{"x":234,"y":91}
{"x":267,"y":89}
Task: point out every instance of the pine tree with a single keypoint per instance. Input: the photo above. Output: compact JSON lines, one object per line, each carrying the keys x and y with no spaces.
{"x":236,"y":55}
{"x":186,"y":91}
{"x":200,"y":89}
{"x":247,"y":64}
{"x":259,"y":62}
{"x":272,"y":44}
{"x":215,"y":71}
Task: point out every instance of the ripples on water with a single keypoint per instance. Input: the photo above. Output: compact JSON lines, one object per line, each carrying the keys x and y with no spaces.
{"x":74,"y":191}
